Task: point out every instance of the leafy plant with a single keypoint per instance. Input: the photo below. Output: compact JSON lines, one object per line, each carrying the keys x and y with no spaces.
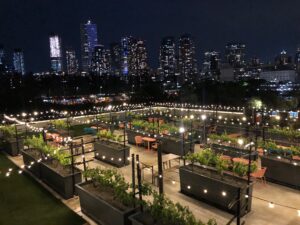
{"x":112,"y":180}
{"x":37,"y":142}
{"x":60,"y":124}
{"x":8,"y":131}
{"x":164,"y":210}
{"x":208,"y":158}
{"x":241,"y":169}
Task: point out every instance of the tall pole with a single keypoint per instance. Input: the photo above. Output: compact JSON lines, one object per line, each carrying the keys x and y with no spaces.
{"x":160,"y":170}
{"x":133,"y":176}
{"x":139,"y":177}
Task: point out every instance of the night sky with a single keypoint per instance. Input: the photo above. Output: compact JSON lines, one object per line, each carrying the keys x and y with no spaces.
{"x":265,"y":26}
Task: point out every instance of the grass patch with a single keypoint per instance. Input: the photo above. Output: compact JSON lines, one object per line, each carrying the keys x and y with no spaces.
{"x":24,"y":201}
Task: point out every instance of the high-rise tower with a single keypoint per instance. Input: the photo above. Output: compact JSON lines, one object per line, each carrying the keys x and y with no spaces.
{"x":56,"y":53}
{"x":89,"y":40}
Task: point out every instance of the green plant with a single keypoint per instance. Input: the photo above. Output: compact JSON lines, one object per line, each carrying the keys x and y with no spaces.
{"x":241,"y":169}
{"x":208,"y":158}
{"x":112,"y":180}
{"x":37,"y":142}
{"x":167,"y":212}
{"x":60,"y":124}
{"x":8,"y":131}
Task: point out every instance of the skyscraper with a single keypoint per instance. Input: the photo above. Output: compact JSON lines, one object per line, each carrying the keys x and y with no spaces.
{"x":138,"y":65}
{"x":235,"y":54}
{"x":3,"y":61}
{"x":187,"y":58}
{"x":18,"y":61}
{"x":115,"y":58}
{"x":211,"y":67}
{"x":101,"y":61}
{"x":297,"y":61}
{"x":56,"y":53}
{"x":71,"y":61}
{"x":167,"y":58}
{"x":89,"y":40}
{"x":126,"y":55}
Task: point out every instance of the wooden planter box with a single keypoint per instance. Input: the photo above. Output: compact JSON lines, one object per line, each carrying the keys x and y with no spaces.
{"x":12,"y":147}
{"x":282,"y":171}
{"x":195,"y":179}
{"x":35,"y":168}
{"x":100,"y":210}
{"x":234,"y":152}
{"x":60,"y":183}
{"x":112,"y":153}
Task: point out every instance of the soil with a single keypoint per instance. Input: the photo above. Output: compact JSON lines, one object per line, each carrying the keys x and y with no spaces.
{"x":212,"y":173}
{"x":105,"y":194}
{"x":62,"y":170}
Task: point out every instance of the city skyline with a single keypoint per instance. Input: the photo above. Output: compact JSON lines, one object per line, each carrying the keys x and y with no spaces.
{"x":198,"y":19}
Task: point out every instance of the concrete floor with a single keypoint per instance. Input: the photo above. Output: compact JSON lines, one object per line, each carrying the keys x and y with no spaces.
{"x":261,"y":214}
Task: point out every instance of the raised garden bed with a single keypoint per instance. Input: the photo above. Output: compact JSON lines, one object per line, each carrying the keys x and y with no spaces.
{"x":234,"y":152}
{"x":60,"y":178}
{"x":174,"y":145}
{"x":99,"y":204}
{"x":282,"y":171}
{"x":13,"y":147}
{"x":131,"y":135}
{"x":207,"y":185}
{"x":112,"y":153}
{"x":29,"y":156}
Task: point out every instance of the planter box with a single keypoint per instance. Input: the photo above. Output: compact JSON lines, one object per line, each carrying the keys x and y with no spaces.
{"x":100,"y":210}
{"x":234,"y":152}
{"x":12,"y":147}
{"x":107,"y":152}
{"x":174,"y":146}
{"x":35,"y":168}
{"x":142,"y":218}
{"x":195,"y":179}
{"x":131,"y":135}
{"x":60,"y":183}
{"x":282,"y":171}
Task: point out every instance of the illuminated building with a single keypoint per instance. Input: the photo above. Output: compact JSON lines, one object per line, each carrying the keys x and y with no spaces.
{"x":167,"y":57}
{"x":283,"y":60}
{"x":101,"y":61}
{"x":138,"y":65}
{"x":235,"y":54}
{"x":187,"y":59}
{"x":297,"y":61}
{"x":71,"y":61}
{"x":18,"y":61}
{"x":126,"y":55}
{"x":115,"y":56}
{"x":211,"y":67}
{"x":55,"y":53}
{"x":3,"y":66}
{"x":89,"y":40}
